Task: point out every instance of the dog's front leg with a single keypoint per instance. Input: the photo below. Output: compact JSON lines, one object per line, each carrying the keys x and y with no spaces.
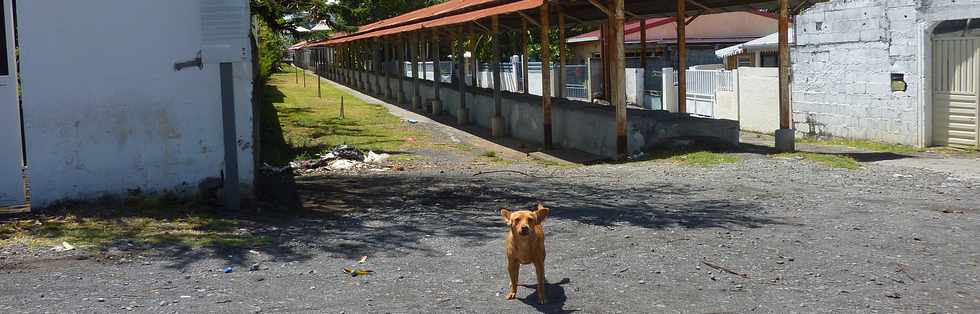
{"x":514,"y":268}
{"x":539,"y":269}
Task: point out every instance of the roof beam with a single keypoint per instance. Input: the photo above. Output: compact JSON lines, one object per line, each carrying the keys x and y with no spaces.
{"x":631,"y":14}
{"x":800,"y":7}
{"x":481,"y":26}
{"x":528,"y":18}
{"x":706,"y":9}
{"x":688,"y":22}
{"x":602,"y":7}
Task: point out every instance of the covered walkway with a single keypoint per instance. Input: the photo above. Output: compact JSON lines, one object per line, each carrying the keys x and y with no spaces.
{"x":373,"y":59}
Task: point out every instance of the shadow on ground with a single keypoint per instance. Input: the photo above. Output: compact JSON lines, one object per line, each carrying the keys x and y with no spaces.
{"x":556,"y":298}
{"x":387,"y":214}
{"x":390,"y":215}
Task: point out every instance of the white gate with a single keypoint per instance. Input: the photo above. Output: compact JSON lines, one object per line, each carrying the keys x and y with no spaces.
{"x":956,"y":88}
{"x":702,"y":89}
{"x":11,"y":155}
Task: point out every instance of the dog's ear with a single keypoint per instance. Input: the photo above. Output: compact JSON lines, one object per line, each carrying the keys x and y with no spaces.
{"x":506,"y":214}
{"x":541,"y":212}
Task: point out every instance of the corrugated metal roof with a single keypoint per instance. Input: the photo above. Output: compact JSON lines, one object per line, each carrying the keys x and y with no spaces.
{"x":765,"y":44}
{"x":427,"y":12}
{"x":444,"y":21}
{"x":719,"y":27}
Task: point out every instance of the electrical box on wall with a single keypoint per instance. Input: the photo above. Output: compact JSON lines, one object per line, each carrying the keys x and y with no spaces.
{"x":225,"y":26}
{"x":898,"y":82}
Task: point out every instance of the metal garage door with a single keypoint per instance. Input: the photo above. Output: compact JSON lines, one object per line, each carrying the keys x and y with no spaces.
{"x":11,"y":157}
{"x":956,"y":81}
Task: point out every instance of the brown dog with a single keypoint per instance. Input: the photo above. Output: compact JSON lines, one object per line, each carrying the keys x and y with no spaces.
{"x":525,"y":245}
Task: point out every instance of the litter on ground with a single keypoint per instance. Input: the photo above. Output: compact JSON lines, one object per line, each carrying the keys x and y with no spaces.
{"x":341,"y":158}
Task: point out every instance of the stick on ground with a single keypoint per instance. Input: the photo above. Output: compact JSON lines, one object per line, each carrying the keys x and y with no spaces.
{"x":709,"y":264}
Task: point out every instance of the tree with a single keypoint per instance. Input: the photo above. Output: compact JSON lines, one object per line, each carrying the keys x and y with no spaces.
{"x":347,"y":14}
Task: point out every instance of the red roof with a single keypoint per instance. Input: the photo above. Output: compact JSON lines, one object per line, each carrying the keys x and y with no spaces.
{"x":435,"y":10}
{"x":443,"y":21}
{"x":719,"y":27}
{"x":299,"y":45}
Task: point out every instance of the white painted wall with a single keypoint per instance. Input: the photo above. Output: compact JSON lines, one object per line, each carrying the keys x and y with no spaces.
{"x":105,"y":111}
{"x":11,"y":163}
{"x":758,"y":99}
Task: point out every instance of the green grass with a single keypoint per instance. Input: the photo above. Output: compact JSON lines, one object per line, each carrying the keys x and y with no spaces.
{"x":829,"y":160}
{"x":861,"y":144}
{"x":492,"y":158}
{"x":142,"y":227}
{"x":705,"y":159}
{"x":299,"y":125}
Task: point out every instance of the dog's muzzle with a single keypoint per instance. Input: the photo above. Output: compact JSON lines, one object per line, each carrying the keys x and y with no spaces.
{"x":525,"y":231}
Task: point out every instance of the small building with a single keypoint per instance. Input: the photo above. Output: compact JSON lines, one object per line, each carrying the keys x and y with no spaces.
{"x":124,"y":96}
{"x":760,"y":53}
{"x":893,"y":71}
{"x":705,"y":34}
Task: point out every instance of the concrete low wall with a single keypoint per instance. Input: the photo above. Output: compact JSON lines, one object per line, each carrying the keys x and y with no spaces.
{"x":575,"y":124}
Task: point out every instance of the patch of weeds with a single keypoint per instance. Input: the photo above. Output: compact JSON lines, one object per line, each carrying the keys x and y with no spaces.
{"x":554,"y":164}
{"x":454,"y":146}
{"x":495,"y":160}
{"x":829,"y":160}
{"x":702,"y":158}
{"x":147,"y":222}
{"x":861,"y":144}
{"x":406,"y":158}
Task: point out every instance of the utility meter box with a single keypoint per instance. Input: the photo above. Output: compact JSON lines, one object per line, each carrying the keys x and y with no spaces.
{"x":225,"y":25}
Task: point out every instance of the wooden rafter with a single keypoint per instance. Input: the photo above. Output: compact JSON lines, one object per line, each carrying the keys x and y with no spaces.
{"x":688,"y":22}
{"x":477,"y":23}
{"x":528,"y":19}
{"x":602,"y":7}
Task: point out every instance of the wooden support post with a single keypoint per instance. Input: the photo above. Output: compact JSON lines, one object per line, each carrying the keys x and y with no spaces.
{"x":386,"y":67}
{"x":546,"y":73}
{"x":605,"y":58}
{"x":400,"y":70}
{"x":436,"y":74}
{"x":524,"y":59}
{"x":681,"y":55}
{"x":351,"y":48}
{"x":475,"y":68}
{"x":347,"y":63}
{"x":319,"y":65}
{"x":352,"y":66}
{"x":413,"y":52}
{"x":462,"y":113}
{"x":643,"y":44}
{"x":562,"y":75}
{"x":785,"y":136}
{"x":497,"y":122}
{"x":617,"y":68}
{"x":377,"y":65}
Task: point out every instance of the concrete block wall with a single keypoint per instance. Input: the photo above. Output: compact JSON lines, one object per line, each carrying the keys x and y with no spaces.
{"x":575,"y":124}
{"x":846,"y":52}
{"x":845,"y":55}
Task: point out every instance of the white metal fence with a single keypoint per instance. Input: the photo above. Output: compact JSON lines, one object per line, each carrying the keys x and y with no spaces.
{"x":702,"y":89}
